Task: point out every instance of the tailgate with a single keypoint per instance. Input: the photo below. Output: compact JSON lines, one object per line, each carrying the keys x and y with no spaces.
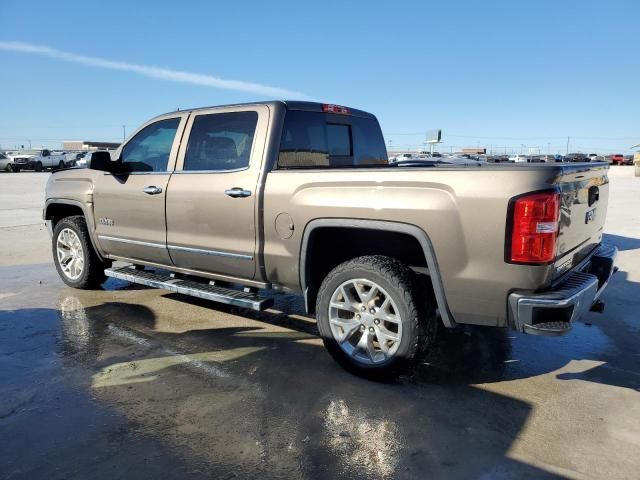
{"x":584,"y":193}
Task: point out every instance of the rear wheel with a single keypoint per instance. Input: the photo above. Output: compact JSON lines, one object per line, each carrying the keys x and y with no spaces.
{"x":38,"y":167}
{"x":61,"y":164}
{"x":373,"y":318}
{"x":76,"y":261}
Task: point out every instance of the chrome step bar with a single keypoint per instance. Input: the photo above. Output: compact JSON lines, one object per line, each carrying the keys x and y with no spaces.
{"x":164,"y":280}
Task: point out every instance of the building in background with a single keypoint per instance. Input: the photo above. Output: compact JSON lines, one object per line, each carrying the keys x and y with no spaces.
{"x":474,"y":151}
{"x":88,"y":145}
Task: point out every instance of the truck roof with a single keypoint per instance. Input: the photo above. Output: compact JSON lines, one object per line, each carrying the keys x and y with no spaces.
{"x":289,"y":105}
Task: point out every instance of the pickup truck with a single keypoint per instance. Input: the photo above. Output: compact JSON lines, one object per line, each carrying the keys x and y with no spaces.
{"x":227,"y":203}
{"x":38,"y":160}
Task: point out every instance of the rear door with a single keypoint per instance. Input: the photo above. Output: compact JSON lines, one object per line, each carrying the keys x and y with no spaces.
{"x":211,"y":199}
{"x":129,"y":208}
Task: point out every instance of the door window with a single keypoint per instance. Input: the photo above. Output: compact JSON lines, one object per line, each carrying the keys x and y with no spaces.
{"x":220,"y":141}
{"x":149,"y":150}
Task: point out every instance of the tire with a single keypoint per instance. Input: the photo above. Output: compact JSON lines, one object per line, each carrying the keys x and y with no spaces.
{"x":61,"y":165}
{"x":38,"y":167}
{"x":410,"y":303}
{"x":91,"y":273}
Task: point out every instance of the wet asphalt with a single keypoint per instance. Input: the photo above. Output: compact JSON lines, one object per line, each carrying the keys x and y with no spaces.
{"x":131,"y":382}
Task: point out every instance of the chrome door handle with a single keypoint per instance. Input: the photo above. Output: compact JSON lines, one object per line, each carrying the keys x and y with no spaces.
{"x":152,"y":190}
{"x":237,"y":192}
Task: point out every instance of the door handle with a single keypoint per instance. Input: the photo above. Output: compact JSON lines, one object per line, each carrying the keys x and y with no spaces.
{"x":152,"y":190}
{"x":237,"y":192}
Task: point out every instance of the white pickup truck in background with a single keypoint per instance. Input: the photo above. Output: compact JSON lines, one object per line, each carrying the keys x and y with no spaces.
{"x":37,"y":160}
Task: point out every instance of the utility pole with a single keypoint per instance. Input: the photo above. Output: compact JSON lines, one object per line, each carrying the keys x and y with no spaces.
{"x":568,"y":145}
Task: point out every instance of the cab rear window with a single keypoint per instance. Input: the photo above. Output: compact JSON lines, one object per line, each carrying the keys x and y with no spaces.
{"x":324,"y":140}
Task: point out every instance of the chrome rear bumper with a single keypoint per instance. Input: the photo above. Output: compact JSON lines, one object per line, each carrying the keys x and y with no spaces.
{"x":552,"y":312}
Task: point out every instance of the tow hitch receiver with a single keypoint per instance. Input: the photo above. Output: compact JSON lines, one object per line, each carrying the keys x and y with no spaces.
{"x":598,"y":306}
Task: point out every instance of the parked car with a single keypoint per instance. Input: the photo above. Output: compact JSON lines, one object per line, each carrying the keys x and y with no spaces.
{"x":300,"y":197}
{"x":576,"y":157}
{"x":38,"y":160}
{"x":617,"y":159}
{"x":401,"y":157}
{"x":519,"y":159}
{"x":85,"y":159}
{"x":6,"y":163}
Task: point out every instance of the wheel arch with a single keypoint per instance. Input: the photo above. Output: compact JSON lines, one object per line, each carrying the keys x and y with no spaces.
{"x":58,"y":208}
{"x":416,"y":233}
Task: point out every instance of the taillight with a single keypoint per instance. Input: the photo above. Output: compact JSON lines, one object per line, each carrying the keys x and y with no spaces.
{"x":331,"y":108}
{"x":534,"y":228}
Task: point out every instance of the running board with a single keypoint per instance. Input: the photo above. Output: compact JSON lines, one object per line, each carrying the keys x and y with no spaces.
{"x":160,"y":279}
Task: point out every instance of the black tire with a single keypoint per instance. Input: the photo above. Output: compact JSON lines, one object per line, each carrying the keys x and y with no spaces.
{"x":413,"y":297}
{"x":38,"y":167}
{"x":61,"y":165}
{"x":93,"y":272}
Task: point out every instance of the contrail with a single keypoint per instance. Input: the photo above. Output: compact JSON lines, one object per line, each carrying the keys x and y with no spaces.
{"x":153,"y":72}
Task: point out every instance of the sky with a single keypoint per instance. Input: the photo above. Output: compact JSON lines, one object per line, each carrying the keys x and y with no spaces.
{"x":506,"y":75}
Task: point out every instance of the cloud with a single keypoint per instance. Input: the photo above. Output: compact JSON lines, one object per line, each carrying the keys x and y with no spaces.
{"x":153,"y":72}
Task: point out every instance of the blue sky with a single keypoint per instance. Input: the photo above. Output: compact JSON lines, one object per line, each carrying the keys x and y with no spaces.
{"x":505,"y":75}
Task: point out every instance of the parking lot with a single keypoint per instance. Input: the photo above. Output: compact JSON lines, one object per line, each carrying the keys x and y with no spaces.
{"x":132,"y":382}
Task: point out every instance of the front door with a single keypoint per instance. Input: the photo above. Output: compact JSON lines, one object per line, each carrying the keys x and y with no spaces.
{"x":129,"y":208}
{"x":211,"y":198}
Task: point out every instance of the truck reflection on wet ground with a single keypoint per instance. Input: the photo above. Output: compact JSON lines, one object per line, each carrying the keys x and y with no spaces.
{"x":104,"y":382}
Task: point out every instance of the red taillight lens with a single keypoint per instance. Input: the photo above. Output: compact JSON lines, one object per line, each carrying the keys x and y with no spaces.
{"x":535,"y":228}
{"x":330,"y":108}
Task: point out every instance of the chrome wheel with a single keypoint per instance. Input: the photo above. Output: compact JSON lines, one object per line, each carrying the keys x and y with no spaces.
{"x":365,"y":321}
{"x":70,"y":254}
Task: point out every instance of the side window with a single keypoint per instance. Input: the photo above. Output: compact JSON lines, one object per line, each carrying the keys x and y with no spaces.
{"x":317,"y":140}
{"x":220,"y":141}
{"x":149,"y":150}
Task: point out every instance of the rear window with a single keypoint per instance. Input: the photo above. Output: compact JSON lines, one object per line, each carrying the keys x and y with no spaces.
{"x":321,"y":140}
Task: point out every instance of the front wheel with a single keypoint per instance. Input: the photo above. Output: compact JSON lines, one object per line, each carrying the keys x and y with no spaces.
{"x":76,"y":261}
{"x":38,"y":167}
{"x":373,"y":317}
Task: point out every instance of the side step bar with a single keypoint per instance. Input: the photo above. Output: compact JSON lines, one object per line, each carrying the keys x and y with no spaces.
{"x":160,"y":279}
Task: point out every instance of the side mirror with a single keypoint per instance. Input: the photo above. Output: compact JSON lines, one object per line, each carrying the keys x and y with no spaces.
{"x":102,"y":161}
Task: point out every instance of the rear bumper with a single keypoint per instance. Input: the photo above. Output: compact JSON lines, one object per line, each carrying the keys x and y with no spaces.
{"x":552,"y":312}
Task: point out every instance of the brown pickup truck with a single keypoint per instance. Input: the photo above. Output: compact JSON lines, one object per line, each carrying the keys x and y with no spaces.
{"x":225,"y":202}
